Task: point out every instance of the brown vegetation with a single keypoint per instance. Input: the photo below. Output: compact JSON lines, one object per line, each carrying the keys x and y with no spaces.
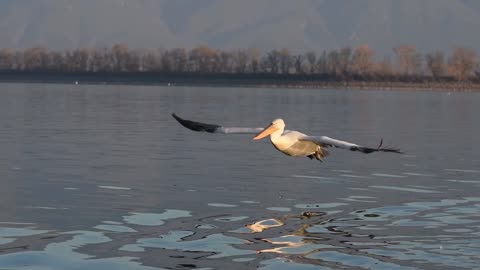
{"x":352,"y":65}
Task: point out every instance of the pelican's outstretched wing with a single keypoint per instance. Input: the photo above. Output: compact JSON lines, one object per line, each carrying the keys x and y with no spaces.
{"x":326,"y":142}
{"x":211,"y":128}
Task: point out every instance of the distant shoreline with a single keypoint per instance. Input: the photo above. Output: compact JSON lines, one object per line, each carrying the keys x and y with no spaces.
{"x":234,"y":80}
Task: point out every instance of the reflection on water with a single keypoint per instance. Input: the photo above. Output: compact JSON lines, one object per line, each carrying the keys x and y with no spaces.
{"x":462,"y":170}
{"x":63,"y":255}
{"x":8,"y":235}
{"x":152,"y":219}
{"x":402,"y":236}
{"x":319,"y":205}
{"x":114,"y":228}
{"x":231,"y":219}
{"x":293,"y":244}
{"x":217,"y":244}
{"x":221,"y":205}
{"x":100,"y":177}
{"x":354,"y":260}
{"x":115,"y":188}
{"x":388,"y":175}
{"x":408,"y":189}
{"x":279,"y":209}
{"x":263,"y":225}
{"x":284,"y":264}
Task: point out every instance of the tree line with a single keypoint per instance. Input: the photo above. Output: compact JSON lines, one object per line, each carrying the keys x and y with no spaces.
{"x":359,"y":63}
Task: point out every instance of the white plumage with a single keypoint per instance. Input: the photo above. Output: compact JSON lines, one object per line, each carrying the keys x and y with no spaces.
{"x":292,"y":143}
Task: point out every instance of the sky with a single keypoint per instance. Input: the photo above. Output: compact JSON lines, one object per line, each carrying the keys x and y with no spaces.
{"x":265,"y":24}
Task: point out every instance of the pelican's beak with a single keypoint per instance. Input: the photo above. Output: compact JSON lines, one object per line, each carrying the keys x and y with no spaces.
{"x":267,"y":131}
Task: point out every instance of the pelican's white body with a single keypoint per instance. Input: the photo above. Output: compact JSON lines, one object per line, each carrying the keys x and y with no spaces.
{"x":290,"y":142}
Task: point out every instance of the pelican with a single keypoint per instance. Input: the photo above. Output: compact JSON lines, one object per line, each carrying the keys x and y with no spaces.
{"x":289,"y":142}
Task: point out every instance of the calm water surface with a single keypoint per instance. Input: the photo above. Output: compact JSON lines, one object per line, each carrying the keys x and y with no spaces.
{"x":101,"y":177}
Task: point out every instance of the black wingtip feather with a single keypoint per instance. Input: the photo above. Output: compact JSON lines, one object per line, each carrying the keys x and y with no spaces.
{"x":368,"y":150}
{"x":196,"y":126}
{"x":380,"y":145}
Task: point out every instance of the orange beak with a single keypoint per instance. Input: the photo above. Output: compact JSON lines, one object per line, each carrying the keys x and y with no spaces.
{"x":267,"y":131}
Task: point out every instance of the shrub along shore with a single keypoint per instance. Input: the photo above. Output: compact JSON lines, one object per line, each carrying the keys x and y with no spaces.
{"x":359,"y":67}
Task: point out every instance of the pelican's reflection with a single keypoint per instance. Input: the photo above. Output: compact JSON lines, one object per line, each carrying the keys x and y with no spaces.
{"x":298,"y":242}
{"x":287,"y":242}
{"x":295,"y":244}
{"x":263,"y":225}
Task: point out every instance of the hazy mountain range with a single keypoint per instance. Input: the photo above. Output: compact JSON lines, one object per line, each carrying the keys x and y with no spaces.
{"x":265,"y":24}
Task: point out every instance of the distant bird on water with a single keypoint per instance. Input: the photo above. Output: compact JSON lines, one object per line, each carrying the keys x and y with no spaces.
{"x":289,"y":142}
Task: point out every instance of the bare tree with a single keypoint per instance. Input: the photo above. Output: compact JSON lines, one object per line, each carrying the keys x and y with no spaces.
{"x":477,"y":72}
{"x":436,"y":63}
{"x":150,"y":61}
{"x":226,"y":62}
{"x":363,"y":61}
{"x":271,"y":62}
{"x":77,"y":60}
{"x":100,"y":60}
{"x":299,"y":63}
{"x":35,"y":58}
{"x":344,"y":59}
{"x":241,"y":59}
{"x":417,"y":64}
{"x":167,"y":61}
{"x":385,"y":67}
{"x":7,"y":57}
{"x":286,"y":61}
{"x":19,"y":60}
{"x":462,"y":63}
{"x":203,"y":59}
{"x":334,"y":63}
{"x":132,"y":63}
{"x":120,"y":57}
{"x":322,"y":63}
{"x":56,"y":61}
{"x":180,"y":57}
{"x":255,"y":58}
{"x":312,"y":60}
{"x":405,"y":55}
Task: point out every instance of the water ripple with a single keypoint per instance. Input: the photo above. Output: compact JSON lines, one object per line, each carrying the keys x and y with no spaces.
{"x":363,"y":262}
{"x":153,"y":219}
{"x":218,"y":244}
{"x":63,"y":255}
{"x":396,"y":236}
{"x":407,"y":189}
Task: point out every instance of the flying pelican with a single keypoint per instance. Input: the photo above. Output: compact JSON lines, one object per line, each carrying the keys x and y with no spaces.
{"x":289,"y":142}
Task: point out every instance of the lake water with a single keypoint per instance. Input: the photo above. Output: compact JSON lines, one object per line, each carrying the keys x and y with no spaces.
{"x":102,"y":177}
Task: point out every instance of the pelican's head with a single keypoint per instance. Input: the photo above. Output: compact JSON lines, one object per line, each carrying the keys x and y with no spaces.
{"x":276,"y":126}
